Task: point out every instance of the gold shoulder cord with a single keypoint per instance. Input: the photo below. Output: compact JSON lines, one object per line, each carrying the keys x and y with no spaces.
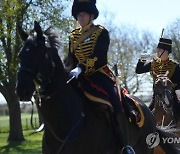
{"x":84,"y":36}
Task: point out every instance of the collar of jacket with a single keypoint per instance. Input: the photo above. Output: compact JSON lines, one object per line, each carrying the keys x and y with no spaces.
{"x":164,"y":61}
{"x":85,"y":28}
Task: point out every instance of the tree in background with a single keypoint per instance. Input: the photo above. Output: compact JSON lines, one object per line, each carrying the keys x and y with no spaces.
{"x":23,"y":13}
{"x":126,"y":46}
{"x":147,"y":43}
{"x":174,"y":34}
{"x":123,"y":52}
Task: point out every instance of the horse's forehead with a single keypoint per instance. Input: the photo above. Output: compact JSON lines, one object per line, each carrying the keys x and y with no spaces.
{"x":160,"y":81}
{"x":32,"y":36}
{"x":162,"y":78}
{"x":163,"y":81}
{"x":30,"y":41}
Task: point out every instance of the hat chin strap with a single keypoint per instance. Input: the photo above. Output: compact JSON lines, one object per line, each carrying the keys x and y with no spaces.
{"x":89,"y":18}
{"x":161,"y":54}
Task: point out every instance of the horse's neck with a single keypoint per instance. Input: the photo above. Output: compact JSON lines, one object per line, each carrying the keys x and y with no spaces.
{"x":162,"y":117}
{"x":66,"y":103}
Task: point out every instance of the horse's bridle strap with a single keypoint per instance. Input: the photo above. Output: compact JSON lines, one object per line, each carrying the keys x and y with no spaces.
{"x":28,"y":70}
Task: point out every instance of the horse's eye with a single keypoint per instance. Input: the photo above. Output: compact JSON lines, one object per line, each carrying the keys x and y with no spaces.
{"x":27,"y":49}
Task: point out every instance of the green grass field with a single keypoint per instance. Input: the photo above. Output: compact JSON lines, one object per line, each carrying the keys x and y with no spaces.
{"x":31,"y":145}
{"x":25,"y":118}
{"x":33,"y":140}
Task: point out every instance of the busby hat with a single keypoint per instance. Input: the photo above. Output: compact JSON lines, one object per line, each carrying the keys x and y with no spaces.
{"x":165,"y":44}
{"x":88,"y":6}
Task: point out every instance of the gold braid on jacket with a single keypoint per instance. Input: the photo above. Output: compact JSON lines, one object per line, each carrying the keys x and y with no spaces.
{"x":86,"y":47}
{"x":160,"y":67}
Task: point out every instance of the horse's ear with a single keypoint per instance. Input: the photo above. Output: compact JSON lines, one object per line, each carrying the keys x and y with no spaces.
{"x":22,"y":33}
{"x":38,"y":29}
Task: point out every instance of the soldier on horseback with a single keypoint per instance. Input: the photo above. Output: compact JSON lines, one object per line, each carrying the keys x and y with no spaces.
{"x":87,"y":60}
{"x":160,"y":66}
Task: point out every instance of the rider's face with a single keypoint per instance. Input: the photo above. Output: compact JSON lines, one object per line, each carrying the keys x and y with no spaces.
{"x":84,"y":18}
{"x":163,"y":53}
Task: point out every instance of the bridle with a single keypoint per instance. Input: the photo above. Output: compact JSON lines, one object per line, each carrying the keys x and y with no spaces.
{"x":38,"y":80}
{"x":165,"y":94}
{"x":38,"y":77}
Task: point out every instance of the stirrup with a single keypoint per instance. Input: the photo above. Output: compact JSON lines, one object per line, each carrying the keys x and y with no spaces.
{"x":127,"y":150}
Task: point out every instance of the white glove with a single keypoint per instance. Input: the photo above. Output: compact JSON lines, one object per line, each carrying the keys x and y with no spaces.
{"x":75,"y":72}
{"x":144,"y":56}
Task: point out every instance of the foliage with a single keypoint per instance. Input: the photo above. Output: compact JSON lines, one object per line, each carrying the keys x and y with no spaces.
{"x":13,"y":12}
{"x":126,"y":46}
{"x":50,"y":13}
{"x":23,"y":13}
{"x":174,"y":34}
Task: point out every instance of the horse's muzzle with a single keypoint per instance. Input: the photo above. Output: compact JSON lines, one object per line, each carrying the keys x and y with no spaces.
{"x":25,"y":87}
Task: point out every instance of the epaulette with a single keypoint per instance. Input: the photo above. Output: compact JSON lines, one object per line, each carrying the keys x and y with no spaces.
{"x":176,"y":63}
{"x":101,"y":27}
{"x":75,"y":30}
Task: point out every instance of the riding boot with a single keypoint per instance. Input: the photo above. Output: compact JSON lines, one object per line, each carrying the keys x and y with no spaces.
{"x":126,"y":149}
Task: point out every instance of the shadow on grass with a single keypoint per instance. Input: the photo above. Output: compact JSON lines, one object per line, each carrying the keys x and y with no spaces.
{"x":24,"y":147}
{"x":31,"y":145}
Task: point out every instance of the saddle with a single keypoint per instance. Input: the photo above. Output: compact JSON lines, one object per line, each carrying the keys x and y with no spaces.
{"x":97,"y":97}
{"x":133,"y":110}
{"x":131,"y":107}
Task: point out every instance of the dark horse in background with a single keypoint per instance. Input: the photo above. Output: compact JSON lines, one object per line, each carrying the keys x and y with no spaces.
{"x":164,"y":100}
{"x":73,"y":125}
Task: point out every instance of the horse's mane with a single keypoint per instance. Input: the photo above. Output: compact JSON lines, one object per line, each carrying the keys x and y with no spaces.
{"x":54,"y":36}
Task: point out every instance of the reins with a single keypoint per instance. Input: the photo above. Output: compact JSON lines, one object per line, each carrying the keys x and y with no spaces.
{"x":63,"y":141}
{"x":69,"y":134}
{"x":164,"y":98}
{"x":82,"y":116}
{"x":163,"y":102}
{"x":41,"y":85}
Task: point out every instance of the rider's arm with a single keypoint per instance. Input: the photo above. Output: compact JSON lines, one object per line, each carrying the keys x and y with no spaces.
{"x":143,"y":67}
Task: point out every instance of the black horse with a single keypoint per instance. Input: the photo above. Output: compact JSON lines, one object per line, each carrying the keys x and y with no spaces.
{"x":74,"y":125}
